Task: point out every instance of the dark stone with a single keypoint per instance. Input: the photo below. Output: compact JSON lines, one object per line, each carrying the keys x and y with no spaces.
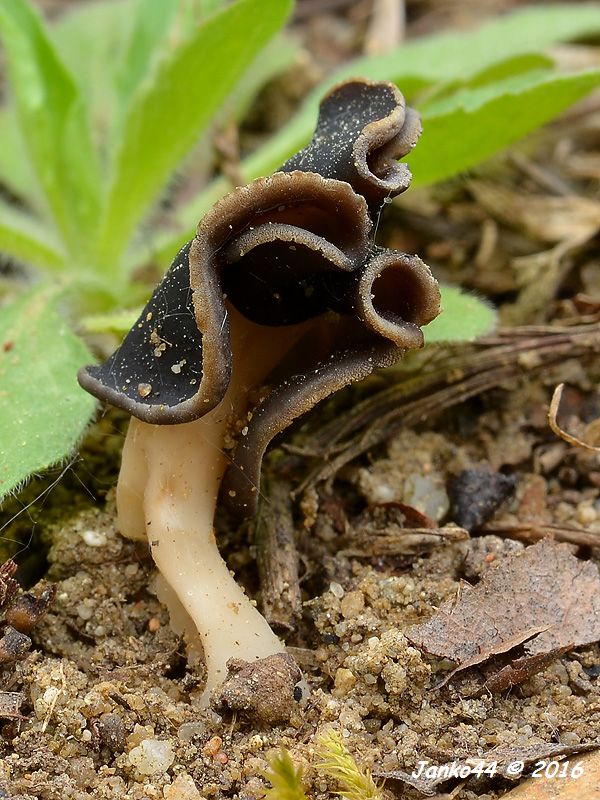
{"x":475,"y":494}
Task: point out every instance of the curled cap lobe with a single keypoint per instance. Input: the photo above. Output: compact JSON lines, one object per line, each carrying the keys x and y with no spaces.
{"x":363,"y":128}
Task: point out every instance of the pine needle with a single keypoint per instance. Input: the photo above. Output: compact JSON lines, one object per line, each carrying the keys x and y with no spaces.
{"x":337,"y":763}
{"x":285,"y":779}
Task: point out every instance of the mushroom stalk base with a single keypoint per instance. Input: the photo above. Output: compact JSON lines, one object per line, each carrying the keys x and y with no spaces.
{"x":168,"y":488}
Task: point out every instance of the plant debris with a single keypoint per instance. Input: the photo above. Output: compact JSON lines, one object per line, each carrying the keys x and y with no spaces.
{"x":501,"y":758}
{"x":19,"y":613}
{"x":542,"y":598}
{"x":553,"y":422}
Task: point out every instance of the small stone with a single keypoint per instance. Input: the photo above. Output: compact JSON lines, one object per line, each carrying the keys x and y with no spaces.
{"x":154,"y":624}
{"x":182,"y":788}
{"x":352,"y":604}
{"x":336,"y":589}
{"x":345,"y":680}
{"x":475,"y":494}
{"x":94,"y":538}
{"x":111,"y":732}
{"x":189,"y":730}
{"x":212,"y":747}
{"x":176,"y":368}
{"x":84,"y":611}
{"x":144,"y":389}
{"x":151,"y":756}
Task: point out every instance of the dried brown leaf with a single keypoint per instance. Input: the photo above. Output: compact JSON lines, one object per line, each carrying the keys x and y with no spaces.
{"x":505,"y":676}
{"x":542,"y":588}
{"x":543,"y":217}
{"x":503,"y":757}
{"x":584,"y":787}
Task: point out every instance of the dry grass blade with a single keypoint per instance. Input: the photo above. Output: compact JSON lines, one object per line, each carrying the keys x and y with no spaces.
{"x":442,"y":383}
{"x":553,"y":422}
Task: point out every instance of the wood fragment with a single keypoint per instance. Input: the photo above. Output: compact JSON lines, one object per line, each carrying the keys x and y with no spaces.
{"x":534,"y":532}
{"x":10,"y":705}
{"x":277,"y":559}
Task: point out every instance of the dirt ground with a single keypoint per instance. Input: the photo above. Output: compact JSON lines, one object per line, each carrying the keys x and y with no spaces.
{"x":108,"y":706}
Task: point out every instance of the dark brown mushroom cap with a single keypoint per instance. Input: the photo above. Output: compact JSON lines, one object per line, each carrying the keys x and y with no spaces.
{"x":363,"y":128}
{"x":268,"y":247}
{"x":294,"y":247}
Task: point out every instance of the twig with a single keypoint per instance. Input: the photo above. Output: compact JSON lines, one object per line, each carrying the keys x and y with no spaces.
{"x":277,"y":559}
{"x":530,"y":532}
{"x":443,"y":383}
{"x":552,"y":421}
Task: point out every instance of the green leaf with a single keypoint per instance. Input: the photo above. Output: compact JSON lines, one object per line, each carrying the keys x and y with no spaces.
{"x":25,"y":238}
{"x":463,"y":130}
{"x":463,"y":318}
{"x":285,"y":779}
{"x":458,"y":55}
{"x":92,"y":39}
{"x":53,"y":124}
{"x":117,"y":322}
{"x":43,"y":412}
{"x":151,"y":25}
{"x":15,"y":170}
{"x":442,"y":58}
{"x":169,"y":113}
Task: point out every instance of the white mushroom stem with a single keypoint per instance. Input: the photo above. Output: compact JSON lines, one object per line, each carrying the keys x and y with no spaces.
{"x":168,"y":489}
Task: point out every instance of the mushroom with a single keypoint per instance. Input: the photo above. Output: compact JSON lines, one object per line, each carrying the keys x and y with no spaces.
{"x":281,"y":299}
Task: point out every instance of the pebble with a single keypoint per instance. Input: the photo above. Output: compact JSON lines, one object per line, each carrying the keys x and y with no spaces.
{"x":345,"y":680}
{"x":212,"y":747}
{"x":151,"y":756}
{"x":336,"y":589}
{"x":94,"y":538}
{"x":475,"y":494}
{"x":182,"y":788}
{"x":84,"y":611}
{"x":352,"y":604}
{"x":189,"y":730}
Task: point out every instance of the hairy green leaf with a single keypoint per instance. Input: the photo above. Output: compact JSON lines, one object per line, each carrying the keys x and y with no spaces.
{"x":43,"y":412}
{"x":463,"y":130}
{"x":444,"y":58}
{"x":168,"y":114}
{"x":24,"y":238}
{"x":459,"y":55}
{"x":93,"y":39}
{"x":151,"y":25}
{"x":15,"y":170}
{"x":463,"y":318}
{"x":53,"y":124}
